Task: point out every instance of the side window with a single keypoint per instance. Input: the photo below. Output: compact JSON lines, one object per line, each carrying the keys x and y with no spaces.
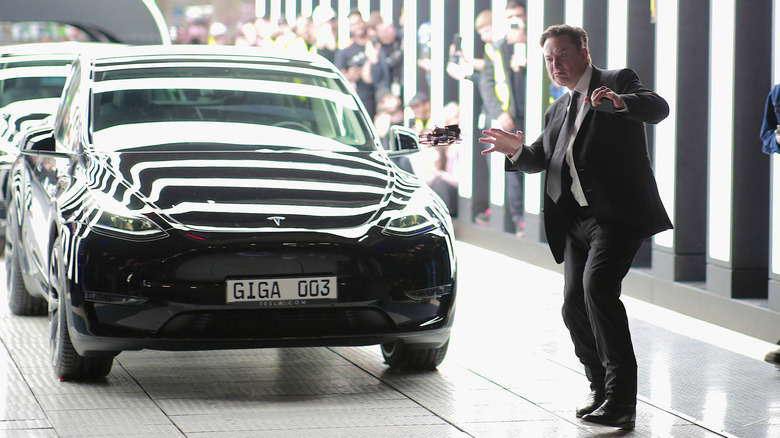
{"x":68,"y":111}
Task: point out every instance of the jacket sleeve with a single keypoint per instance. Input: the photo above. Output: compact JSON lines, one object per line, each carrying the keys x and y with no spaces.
{"x":770,"y":123}
{"x":643,"y":104}
{"x":533,"y":158}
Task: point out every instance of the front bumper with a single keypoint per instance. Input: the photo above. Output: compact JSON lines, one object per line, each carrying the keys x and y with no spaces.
{"x":172,"y":294}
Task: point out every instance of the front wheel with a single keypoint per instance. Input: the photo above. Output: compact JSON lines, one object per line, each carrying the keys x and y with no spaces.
{"x":67,"y":362}
{"x":403,"y":356}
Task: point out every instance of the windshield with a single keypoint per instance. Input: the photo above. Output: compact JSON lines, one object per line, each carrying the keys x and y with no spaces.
{"x":26,"y":80}
{"x":257,"y":106}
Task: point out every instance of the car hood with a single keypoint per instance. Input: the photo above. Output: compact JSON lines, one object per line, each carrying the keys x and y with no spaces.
{"x":261,"y":190}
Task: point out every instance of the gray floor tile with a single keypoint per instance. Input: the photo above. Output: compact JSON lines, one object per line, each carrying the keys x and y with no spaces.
{"x":510,"y":372}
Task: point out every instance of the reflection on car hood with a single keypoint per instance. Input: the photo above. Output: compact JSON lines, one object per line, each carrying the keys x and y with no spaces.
{"x":289,"y":190}
{"x":19,"y":116}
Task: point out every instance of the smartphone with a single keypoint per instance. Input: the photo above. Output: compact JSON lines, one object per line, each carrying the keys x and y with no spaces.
{"x":605,"y":105}
{"x":457,"y":40}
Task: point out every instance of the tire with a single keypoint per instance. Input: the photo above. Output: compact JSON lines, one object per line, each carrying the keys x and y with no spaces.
{"x":405,"y":357}
{"x":67,"y":362}
{"x":19,"y":299}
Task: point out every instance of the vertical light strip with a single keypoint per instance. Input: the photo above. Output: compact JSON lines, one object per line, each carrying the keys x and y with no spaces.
{"x":721,"y":129}
{"x":290,"y":13}
{"x":410,"y":49}
{"x":497,"y":179}
{"x":617,"y":33}
{"x":775,"y":163}
{"x":496,"y":161}
{"x":260,"y":8}
{"x":276,"y":11}
{"x":667,"y":25}
{"x":534,"y":100}
{"x":307,"y":7}
{"x":364,"y":6}
{"x":342,"y":15}
{"x":573,"y":14}
{"x":386,"y":10}
{"x":438,"y":48}
{"x":500,"y":26}
{"x":466,"y":100}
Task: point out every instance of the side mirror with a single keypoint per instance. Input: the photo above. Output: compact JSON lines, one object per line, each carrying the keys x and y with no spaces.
{"x":403,"y":140}
{"x":36,"y":141}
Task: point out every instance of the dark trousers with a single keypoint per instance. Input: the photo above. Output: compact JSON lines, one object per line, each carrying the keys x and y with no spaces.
{"x":595,"y":266}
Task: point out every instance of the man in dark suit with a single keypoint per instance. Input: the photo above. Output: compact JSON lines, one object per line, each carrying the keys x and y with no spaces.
{"x":601,"y":202}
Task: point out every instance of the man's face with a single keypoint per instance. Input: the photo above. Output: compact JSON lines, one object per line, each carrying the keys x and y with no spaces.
{"x":357,"y":27}
{"x":517,"y":12}
{"x":386,"y":33}
{"x":486,"y":33}
{"x":565,"y":62}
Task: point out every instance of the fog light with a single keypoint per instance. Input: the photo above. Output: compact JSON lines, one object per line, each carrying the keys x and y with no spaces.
{"x":433,"y":292}
{"x":105,"y":298}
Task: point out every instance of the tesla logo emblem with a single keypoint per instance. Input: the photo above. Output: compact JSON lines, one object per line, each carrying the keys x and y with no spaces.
{"x":277,"y":219}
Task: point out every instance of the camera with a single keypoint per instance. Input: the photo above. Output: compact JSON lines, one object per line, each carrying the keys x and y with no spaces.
{"x":456,"y":43}
{"x":516,"y":23}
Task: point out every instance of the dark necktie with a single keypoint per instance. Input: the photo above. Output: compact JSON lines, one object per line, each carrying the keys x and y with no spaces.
{"x":557,"y":173}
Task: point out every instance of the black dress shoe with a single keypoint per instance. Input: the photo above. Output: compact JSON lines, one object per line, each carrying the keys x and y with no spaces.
{"x":613,"y":414}
{"x":594,"y":400}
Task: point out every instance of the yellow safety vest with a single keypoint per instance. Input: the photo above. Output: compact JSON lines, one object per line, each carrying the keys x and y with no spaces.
{"x":499,"y":74}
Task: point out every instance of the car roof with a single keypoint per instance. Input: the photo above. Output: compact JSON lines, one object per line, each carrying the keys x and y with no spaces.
{"x":164,"y":53}
{"x":51,"y":49}
{"x":124,"y":21}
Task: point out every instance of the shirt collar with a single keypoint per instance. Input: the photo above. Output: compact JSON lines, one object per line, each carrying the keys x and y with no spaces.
{"x":584,"y":82}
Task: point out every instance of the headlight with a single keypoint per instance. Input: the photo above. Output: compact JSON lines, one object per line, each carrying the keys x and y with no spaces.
{"x":416,"y":218}
{"x":117,"y":220}
{"x":130,"y":227}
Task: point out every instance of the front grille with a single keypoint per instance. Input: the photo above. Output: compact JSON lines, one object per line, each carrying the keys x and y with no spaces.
{"x":276,"y":323}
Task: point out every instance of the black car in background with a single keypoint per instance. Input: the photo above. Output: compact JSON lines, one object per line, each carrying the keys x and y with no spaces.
{"x":31,"y":80}
{"x":216,"y":197}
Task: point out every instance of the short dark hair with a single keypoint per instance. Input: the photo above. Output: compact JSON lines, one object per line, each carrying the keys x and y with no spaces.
{"x":577,"y":35}
{"x":510,"y":4}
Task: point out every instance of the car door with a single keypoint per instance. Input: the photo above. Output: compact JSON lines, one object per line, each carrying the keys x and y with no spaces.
{"x":47,"y":167}
{"x":40,"y":186}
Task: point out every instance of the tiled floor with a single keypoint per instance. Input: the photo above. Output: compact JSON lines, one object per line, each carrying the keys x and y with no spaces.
{"x":510,"y":372}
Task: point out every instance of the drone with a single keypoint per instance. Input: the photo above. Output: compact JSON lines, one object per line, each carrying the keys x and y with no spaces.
{"x":442,"y":136}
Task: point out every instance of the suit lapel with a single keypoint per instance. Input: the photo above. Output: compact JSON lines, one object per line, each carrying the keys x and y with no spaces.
{"x":558,"y":119}
{"x":595,"y":82}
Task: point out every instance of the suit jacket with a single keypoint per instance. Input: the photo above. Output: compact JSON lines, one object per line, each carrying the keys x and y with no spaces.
{"x":612,"y":162}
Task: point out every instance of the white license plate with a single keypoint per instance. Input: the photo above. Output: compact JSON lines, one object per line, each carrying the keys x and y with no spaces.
{"x":281,"y":291}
